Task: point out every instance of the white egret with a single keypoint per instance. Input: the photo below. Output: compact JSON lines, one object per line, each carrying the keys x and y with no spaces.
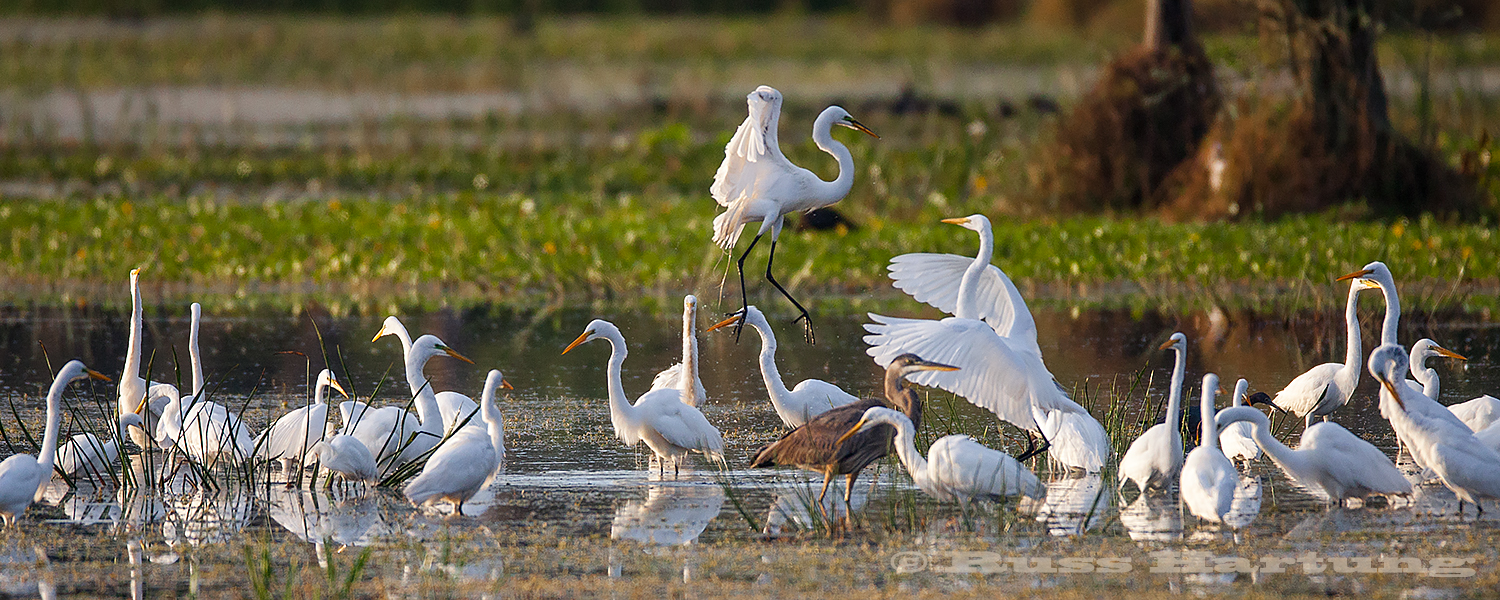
{"x":1378,"y":275}
{"x":659,"y":417}
{"x":347,"y":456}
{"x":86,"y":455}
{"x":1155,"y":458}
{"x":1479,"y":414}
{"x":1238,"y":439}
{"x":1000,"y":370}
{"x":816,"y":445}
{"x":292,"y":436}
{"x":467,"y":460}
{"x":1208,"y":478}
{"x":683,"y":376}
{"x":169,"y":427}
{"x":1326,"y":387}
{"x":957,"y":467}
{"x":1445,"y":445}
{"x":136,"y":394}
{"x":392,"y":434}
{"x":756,"y":182}
{"x":795,"y":406}
{"x":1424,"y":375}
{"x":22,"y":476}
{"x":1328,"y":459}
{"x":455,"y":407}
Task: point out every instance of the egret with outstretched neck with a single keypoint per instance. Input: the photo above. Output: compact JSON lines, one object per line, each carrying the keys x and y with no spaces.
{"x":756,"y":182}
{"x":22,"y":476}
{"x":1326,"y":387}
{"x":683,"y":376}
{"x":1155,"y":458}
{"x":1208,"y":477}
{"x":393,"y":435}
{"x":796,"y":406}
{"x":136,"y":394}
{"x":1329,"y":458}
{"x":455,"y":407}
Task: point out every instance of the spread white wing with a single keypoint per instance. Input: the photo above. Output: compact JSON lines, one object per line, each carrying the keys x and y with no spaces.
{"x":752,"y":153}
{"x":934,"y":279}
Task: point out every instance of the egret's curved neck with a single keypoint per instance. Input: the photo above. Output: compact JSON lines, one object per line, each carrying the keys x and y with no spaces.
{"x":1240,"y":387}
{"x":768,"y":371}
{"x":1354,"y":350}
{"x":968,"y":297}
{"x":828,"y":192}
{"x":1425,"y":375}
{"x":1209,"y":431}
{"x":426,"y":400}
{"x":689,"y":382}
{"x":903,"y":398}
{"x":54,"y":422}
{"x":195,"y":358}
{"x":1174,"y":398}
{"x":1392,"y":313}
{"x":492,"y":417}
{"x":319,"y":390}
{"x":906,"y":449}
{"x":621,"y":412}
{"x":1289,"y":460}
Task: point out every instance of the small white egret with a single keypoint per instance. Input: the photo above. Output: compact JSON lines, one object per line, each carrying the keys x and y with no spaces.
{"x":136,"y":394}
{"x":292,"y":436}
{"x":1238,"y":439}
{"x":1208,"y":478}
{"x":1328,"y":459}
{"x":1155,"y":458}
{"x":392,"y":434}
{"x":999,"y":369}
{"x":957,"y":467}
{"x":756,"y":182}
{"x":346,"y":456}
{"x":683,"y":376}
{"x":1436,"y":439}
{"x":795,"y":406}
{"x":659,"y":417}
{"x":86,"y":455}
{"x":467,"y":460}
{"x":169,"y":427}
{"x":1326,"y":387}
{"x":22,"y":476}
{"x":455,"y":407}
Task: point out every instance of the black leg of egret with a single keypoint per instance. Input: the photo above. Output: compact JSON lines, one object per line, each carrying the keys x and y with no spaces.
{"x":1032,"y":449}
{"x":744,"y":298}
{"x":807,"y":324}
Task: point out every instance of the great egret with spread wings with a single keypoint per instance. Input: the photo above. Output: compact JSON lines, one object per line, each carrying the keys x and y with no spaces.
{"x":22,"y":475}
{"x":991,"y":338}
{"x":795,"y":406}
{"x":756,"y":182}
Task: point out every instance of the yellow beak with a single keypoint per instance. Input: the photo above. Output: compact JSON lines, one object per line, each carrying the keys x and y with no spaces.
{"x":1359,"y":273}
{"x":726,"y":322}
{"x":1392,"y":389}
{"x":336,"y":385}
{"x":856,"y":125}
{"x":454,"y":354}
{"x":851,"y":433}
{"x":1448,"y":353}
{"x":102,"y":377}
{"x":140,"y":408}
{"x":956,"y":220}
{"x":382,"y":334}
{"x":1166,"y":346}
{"x":505,"y":385}
{"x":581,"y":339}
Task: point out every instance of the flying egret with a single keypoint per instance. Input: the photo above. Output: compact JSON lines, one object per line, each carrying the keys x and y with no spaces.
{"x":136,"y":394}
{"x":1445,"y":445}
{"x":1328,"y":459}
{"x":797,"y":405}
{"x":821,"y":446}
{"x":292,"y":436}
{"x":1238,"y":439}
{"x":22,"y":476}
{"x":1208,"y":478}
{"x":683,"y":376}
{"x":455,"y":407}
{"x":169,"y":427}
{"x":347,"y":456}
{"x":756,"y":182}
{"x":659,"y":417}
{"x":1326,"y":387}
{"x":86,"y":455}
{"x":1000,"y":370}
{"x":958,"y":467}
{"x":467,"y":460}
{"x":393,"y":435}
{"x":1155,"y":458}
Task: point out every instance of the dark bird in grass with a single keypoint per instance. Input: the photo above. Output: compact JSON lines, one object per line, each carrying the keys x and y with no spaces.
{"x":824,"y":219}
{"x":815,"y":445}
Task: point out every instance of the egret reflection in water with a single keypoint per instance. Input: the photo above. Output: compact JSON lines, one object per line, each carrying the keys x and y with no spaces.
{"x":316,"y":516}
{"x":1153,"y":518}
{"x":671,"y":515}
{"x":797,"y":505}
{"x":1074,"y":505}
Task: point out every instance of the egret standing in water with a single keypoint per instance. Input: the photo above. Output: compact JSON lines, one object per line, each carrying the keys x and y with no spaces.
{"x":795,"y":406}
{"x":683,"y":376}
{"x":455,"y":407}
{"x":22,"y":476}
{"x":1326,"y":387}
{"x":1329,"y":458}
{"x":1155,"y":458}
{"x":88,"y":456}
{"x":1208,"y":478}
{"x":756,"y":182}
{"x":136,"y":394}
{"x":292,"y":437}
{"x":957,"y":467}
{"x":1478,"y":413}
{"x":467,"y":461}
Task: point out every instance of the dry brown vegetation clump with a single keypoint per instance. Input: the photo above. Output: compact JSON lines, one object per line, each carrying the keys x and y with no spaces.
{"x":1144,"y":116}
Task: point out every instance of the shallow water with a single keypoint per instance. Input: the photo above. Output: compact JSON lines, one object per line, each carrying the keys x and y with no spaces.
{"x":565,"y":468}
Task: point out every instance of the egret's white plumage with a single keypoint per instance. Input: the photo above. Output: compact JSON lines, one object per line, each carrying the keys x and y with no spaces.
{"x":1155,"y":458}
{"x":136,"y":394}
{"x":22,"y":476}
{"x":1324,"y":388}
{"x":1001,"y":370}
{"x":86,"y":455}
{"x":756,"y":182}
{"x":169,"y":427}
{"x":683,"y":376}
{"x":1436,"y":439}
{"x":1238,"y":439}
{"x":1424,"y":375}
{"x":467,"y":460}
{"x":455,"y":407}
{"x":1479,"y":414}
{"x":1208,"y":477}
{"x":1329,"y":458}
{"x":659,"y":418}
{"x":209,"y":431}
{"x":957,"y":467}
{"x":291,"y":438}
{"x":393,"y":435}
{"x":346,"y":456}
{"x":796,"y":406}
